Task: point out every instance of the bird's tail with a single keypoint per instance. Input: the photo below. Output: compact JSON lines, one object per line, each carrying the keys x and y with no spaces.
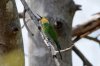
{"x":59,"y":48}
{"x":60,"y":54}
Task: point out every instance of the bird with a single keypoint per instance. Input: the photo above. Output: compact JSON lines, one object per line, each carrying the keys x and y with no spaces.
{"x":50,"y":32}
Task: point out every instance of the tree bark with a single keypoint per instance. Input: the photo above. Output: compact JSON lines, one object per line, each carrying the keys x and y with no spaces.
{"x":11,"y":48}
{"x":61,"y":12}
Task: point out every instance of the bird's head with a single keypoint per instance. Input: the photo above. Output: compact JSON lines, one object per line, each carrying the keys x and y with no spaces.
{"x":44,"y":20}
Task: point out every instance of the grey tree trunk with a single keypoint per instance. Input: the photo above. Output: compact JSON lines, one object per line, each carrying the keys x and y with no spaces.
{"x":61,"y":12}
{"x":11,"y":46}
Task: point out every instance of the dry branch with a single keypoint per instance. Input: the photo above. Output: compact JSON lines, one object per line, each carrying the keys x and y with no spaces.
{"x":84,"y":59}
{"x":85,"y":29}
{"x":93,"y":39}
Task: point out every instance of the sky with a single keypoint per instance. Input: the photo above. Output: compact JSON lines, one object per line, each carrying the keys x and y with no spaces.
{"x":89,"y":7}
{"x":89,"y":48}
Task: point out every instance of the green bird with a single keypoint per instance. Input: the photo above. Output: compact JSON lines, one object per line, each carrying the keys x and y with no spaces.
{"x":50,"y":32}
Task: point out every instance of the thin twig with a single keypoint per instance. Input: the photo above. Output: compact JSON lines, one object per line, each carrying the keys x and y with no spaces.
{"x":29,"y":11}
{"x":66,"y":49}
{"x":76,"y":39}
{"x":25,"y":23}
{"x":83,"y":58}
{"x":78,"y":52}
{"x":93,"y":39}
{"x":85,"y":29}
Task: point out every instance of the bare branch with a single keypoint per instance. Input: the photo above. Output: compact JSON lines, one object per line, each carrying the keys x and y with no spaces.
{"x":85,"y":29}
{"x":78,"y":52}
{"x":93,"y":39}
{"x":66,"y":49}
{"x":81,"y":55}
{"x":76,"y":39}
{"x":84,"y":59}
{"x":25,"y":23}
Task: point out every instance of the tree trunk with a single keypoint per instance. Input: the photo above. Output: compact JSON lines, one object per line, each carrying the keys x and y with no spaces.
{"x":61,"y":12}
{"x":11,"y":48}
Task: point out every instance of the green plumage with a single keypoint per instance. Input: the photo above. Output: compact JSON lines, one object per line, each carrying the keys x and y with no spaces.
{"x":51,"y":33}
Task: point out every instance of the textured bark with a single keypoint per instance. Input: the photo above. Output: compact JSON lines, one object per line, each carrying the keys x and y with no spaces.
{"x":61,"y":12}
{"x":11,"y":48}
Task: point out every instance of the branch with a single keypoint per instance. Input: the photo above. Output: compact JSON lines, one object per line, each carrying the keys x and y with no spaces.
{"x":66,"y":49}
{"x":83,"y":58}
{"x":25,"y":23}
{"x":81,"y":55}
{"x":94,"y":39}
{"x":29,"y":11}
{"x":76,"y":39}
{"x":85,"y":29}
